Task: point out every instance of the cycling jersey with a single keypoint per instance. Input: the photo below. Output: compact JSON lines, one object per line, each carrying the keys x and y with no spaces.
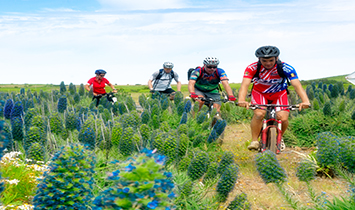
{"x":98,"y":88}
{"x":269,"y":81}
{"x":208,"y":83}
{"x":164,"y":81}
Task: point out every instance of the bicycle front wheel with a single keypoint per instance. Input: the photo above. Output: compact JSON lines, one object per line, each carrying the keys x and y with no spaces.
{"x":272,"y":139}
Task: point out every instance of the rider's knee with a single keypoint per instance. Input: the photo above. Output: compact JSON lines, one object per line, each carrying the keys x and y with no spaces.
{"x":259,"y":115}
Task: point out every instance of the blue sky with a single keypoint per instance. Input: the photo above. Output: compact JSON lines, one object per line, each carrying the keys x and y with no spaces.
{"x":53,"y":41}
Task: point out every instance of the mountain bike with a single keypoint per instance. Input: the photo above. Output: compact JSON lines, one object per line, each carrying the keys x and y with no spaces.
{"x":209,"y":103}
{"x":110,"y":97}
{"x":270,"y":133}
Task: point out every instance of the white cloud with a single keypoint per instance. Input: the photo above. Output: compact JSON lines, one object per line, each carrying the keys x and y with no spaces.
{"x":141,"y":4}
{"x":50,"y":47}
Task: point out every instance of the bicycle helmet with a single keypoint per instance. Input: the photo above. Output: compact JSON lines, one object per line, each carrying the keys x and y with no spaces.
{"x":100,"y":71}
{"x":211,"y":61}
{"x":168,"y":65}
{"x":267,"y":52}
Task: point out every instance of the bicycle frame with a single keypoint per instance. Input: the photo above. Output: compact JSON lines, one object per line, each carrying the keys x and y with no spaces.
{"x":271,"y":130}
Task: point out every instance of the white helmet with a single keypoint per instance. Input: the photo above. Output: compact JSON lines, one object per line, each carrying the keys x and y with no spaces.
{"x":211,"y":61}
{"x":168,"y":65}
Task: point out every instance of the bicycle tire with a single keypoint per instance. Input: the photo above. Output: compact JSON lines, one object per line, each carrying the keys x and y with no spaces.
{"x":272,"y":139}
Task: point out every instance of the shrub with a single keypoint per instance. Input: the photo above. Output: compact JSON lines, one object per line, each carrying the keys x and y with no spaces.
{"x":140,"y":182}
{"x":328,"y":149}
{"x":62,"y":103}
{"x":126,"y":145}
{"x":17,"y":110}
{"x":227,"y":181}
{"x":226,"y":160}
{"x":55,"y":123}
{"x":35,"y":152}
{"x":17,"y":128}
{"x":62,"y":87}
{"x":198,"y":166}
{"x":81,"y":89}
{"x":240,"y":202}
{"x":68,"y":183}
{"x":70,"y":120}
{"x":306,"y":171}
{"x":32,"y":135}
{"x":327,"y":110}
{"x":269,"y":168}
{"x":7,"y":108}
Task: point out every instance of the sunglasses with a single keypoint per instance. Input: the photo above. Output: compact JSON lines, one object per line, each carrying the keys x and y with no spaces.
{"x":102,"y":75}
{"x":211,"y":67}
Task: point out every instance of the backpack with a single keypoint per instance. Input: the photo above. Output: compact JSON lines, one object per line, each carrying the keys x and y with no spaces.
{"x":161,"y":72}
{"x":189,"y":72}
{"x":280,"y":71}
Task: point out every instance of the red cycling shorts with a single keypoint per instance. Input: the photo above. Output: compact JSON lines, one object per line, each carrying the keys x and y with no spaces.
{"x":279,"y":98}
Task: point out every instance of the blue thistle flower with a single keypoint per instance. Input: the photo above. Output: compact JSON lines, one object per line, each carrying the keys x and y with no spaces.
{"x":227,"y":181}
{"x":17,"y":128}
{"x":306,"y":171}
{"x":183,"y":118}
{"x":188,"y":106}
{"x":17,"y":110}
{"x":269,"y":168}
{"x":198,"y":166}
{"x":62,"y":104}
{"x":240,"y":202}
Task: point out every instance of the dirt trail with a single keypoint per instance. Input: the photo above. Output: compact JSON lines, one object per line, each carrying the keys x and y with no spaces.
{"x":262,"y":196}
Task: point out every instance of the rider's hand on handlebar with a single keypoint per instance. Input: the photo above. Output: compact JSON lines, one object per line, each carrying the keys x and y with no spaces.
{"x":231,"y":98}
{"x":243,"y":104}
{"x":152,"y":91}
{"x":303,"y":105}
{"x":114,"y":91}
{"x":193,"y":95}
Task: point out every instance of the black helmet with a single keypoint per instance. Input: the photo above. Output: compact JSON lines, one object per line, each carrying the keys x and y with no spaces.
{"x":267,"y":52}
{"x":100,"y":71}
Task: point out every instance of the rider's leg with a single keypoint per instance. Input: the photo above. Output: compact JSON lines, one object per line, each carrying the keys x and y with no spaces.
{"x":283,"y":116}
{"x":257,"y":123}
{"x":217,"y":106}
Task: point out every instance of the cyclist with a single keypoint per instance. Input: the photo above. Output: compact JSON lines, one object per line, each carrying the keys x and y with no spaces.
{"x":269,"y":87}
{"x":204,"y":82}
{"x":98,"y":84}
{"x":162,"y":80}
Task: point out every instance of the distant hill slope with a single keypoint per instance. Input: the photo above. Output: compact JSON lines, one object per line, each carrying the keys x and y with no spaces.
{"x":327,"y":80}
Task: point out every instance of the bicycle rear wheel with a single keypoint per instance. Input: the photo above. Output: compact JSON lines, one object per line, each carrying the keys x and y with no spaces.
{"x":272,"y":139}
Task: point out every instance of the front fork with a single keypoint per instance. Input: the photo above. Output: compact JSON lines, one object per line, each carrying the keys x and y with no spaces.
{"x":266,"y":125}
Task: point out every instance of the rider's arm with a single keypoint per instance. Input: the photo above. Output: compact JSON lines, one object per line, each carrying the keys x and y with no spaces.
{"x":150,"y":85}
{"x":227,"y":87}
{"x":87,"y":87}
{"x":301,"y":93}
{"x":178,"y":86}
{"x":243,"y":91}
{"x":191,"y":85}
{"x":113,"y":87}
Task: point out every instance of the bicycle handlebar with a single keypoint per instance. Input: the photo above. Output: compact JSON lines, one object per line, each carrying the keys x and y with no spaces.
{"x":212,"y":100}
{"x":261,"y":106}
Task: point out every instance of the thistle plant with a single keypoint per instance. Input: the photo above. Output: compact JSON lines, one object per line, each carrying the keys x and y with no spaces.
{"x":180,"y":109}
{"x":187,"y":106}
{"x":183,"y":118}
{"x":227,"y":181}
{"x":226,"y":160}
{"x":182,"y":146}
{"x":186,"y":188}
{"x":117,"y":131}
{"x":347,"y":153}
{"x":3,"y":145}
{"x":126,"y":145}
{"x":70,"y":120}
{"x":38,"y":121}
{"x":158,"y":142}
{"x":6,"y":131}
{"x":145,"y":117}
{"x":76,"y":98}
{"x":164,"y":103}
{"x":240,"y":202}
{"x":35,"y":152}
{"x":198,"y":140}
{"x":184,"y":163}
{"x":55,"y":123}
{"x":170,"y":148}
{"x":7,"y":108}
{"x":72,"y":89}
{"x":87,"y":137}
{"x":269,"y":168}
{"x":17,"y":110}
{"x":68,"y":183}
{"x":328,"y":148}
{"x":145,"y":134}
{"x":198,"y":166}
{"x":140,"y":182}
{"x":62,"y":104}
{"x":182,"y":129}
{"x":212,"y":172}
{"x":62,"y":87}
{"x":212,"y":137}
{"x":200,"y":117}
{"x":17,"y":128}
{"x":28,"y":117}
{"x":32,"y":135}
